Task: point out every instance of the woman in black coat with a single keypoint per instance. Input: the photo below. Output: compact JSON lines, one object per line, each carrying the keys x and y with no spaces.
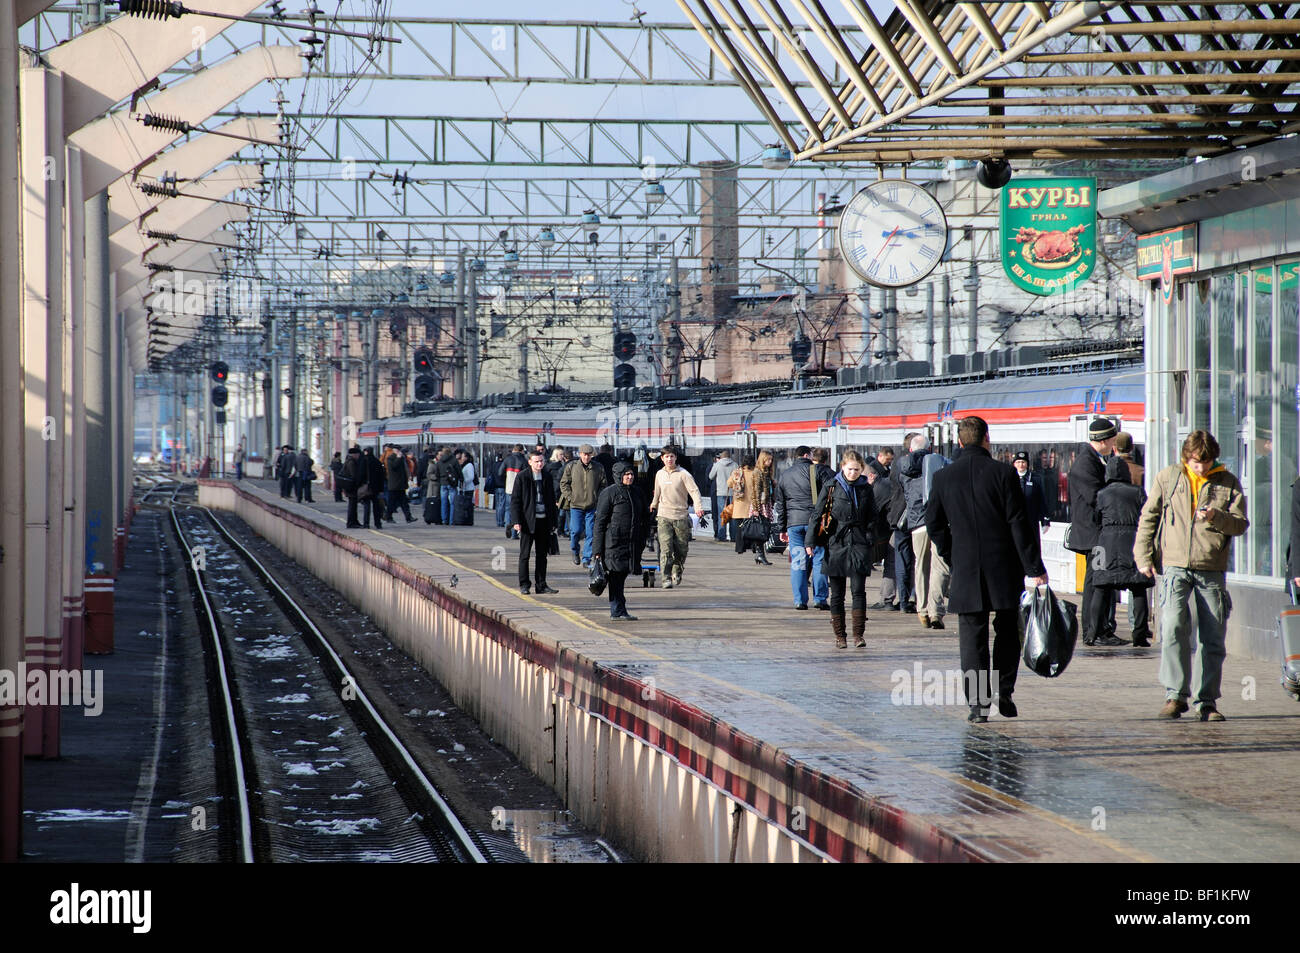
{"x":1119,"y":504}
{"x":849,"y":542}
{"x":618,"y":536}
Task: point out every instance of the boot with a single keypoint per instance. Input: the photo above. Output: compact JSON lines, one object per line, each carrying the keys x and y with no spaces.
{"x":837,"y":626}
{"x":859,"y":625}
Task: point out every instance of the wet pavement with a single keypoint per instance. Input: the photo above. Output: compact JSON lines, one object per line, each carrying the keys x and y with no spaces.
{"x":1086,"y":773}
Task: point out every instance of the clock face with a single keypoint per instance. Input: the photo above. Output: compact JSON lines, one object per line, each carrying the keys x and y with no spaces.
{"x":892,"y":233}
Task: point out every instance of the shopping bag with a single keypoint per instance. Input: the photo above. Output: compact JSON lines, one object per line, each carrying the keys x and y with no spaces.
{"x":774,"y":543}
{"x":1051,"y":627}
{"x":598,"y":580}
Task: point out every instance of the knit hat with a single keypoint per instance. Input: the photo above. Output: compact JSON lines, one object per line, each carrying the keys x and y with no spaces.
{"x":1102,"y":428}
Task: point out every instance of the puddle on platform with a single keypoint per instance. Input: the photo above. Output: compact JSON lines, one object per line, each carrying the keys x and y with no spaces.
{"x":553,"y":837}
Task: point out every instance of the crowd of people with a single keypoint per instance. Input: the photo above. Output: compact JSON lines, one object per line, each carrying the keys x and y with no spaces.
{"x":954,"y":534}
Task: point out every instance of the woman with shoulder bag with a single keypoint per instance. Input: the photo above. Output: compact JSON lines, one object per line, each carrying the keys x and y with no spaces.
{"x":842,"y":522}
{"x":751,"y":496}
{"x":618,"y":536}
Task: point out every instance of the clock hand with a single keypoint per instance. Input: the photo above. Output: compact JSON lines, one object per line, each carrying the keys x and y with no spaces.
{"x":887,"y":241}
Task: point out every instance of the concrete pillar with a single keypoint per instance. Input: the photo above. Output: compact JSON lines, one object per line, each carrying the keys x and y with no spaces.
{"x":11,"y":436}
{"x":460,"y":351}
{"x":99,"y":434}
{"x":293,"y":435}
{"x":273,"y":391}
{"x":929,"y":325}
{"x":372,"y":368}
{"x":471,"y":337}
{"x":42,"y":256}
{"x":945,"y":289}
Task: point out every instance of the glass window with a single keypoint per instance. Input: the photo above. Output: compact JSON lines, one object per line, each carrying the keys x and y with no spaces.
{"x":1260,"y":493}
{"x":1199,"y":293}
{"x":1287,"y":394}
{"x":1226,"y":417}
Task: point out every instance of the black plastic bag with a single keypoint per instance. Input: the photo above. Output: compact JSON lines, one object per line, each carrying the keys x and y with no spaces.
{"x":774,"y":544}
{"x":598,"y":580}
{"x":1051,"y":628}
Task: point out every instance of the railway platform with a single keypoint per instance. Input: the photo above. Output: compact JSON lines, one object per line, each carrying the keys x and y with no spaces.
{"x":723,"y":724}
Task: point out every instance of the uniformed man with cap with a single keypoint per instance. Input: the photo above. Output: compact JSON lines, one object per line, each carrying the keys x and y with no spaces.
{"x":1031,"y":484}
{"x":1087,"y":477}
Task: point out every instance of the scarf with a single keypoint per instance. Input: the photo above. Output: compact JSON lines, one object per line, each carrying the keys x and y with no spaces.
{"x":850,"y":489}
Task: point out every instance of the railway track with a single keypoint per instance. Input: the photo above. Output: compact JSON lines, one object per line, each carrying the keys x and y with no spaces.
{"x":312,"y":770}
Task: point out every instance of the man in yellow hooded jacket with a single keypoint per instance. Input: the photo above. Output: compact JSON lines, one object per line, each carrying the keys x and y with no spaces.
{"x":1185,"y":533}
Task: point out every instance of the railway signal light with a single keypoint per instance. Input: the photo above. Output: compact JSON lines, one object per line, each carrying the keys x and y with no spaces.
{"x":220,"y":371}
{"x":625,"y":376}
{"x":800,"y":349}
{"x":219,"y":396}
{"x":426,"y":387}
{"x":423,"y":360}
{"x":624,"y":345}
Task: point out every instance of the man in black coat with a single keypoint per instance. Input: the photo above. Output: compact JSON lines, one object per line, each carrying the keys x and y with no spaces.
{"x":533,"y":513}
{"x":796,"y":490}
{"x":1087,"y":477}
{"x":398,"y":481}
{"x":286,"y":470}
{"x":879,"y":474}
{"x":376,"y":479}
{"x":976,"y":517}
{"x":351,"y":477}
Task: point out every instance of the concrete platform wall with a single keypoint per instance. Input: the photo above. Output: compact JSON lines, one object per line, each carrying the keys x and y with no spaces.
{"x":668,"y":781}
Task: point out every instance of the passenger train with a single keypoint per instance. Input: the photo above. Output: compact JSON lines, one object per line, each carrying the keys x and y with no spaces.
{"x":1041,"y":410}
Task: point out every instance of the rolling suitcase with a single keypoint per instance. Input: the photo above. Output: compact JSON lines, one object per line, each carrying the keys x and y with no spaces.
{"x":462,"y":510}
{"x":432,"y":511}
{"x":1288,"y":630}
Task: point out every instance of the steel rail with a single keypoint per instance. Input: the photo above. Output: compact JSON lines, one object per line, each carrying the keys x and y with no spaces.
{"x":344,"y":677}
{"x":245,"y":842}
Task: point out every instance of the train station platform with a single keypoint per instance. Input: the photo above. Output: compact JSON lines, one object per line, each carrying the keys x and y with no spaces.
{"x":723,"y":724}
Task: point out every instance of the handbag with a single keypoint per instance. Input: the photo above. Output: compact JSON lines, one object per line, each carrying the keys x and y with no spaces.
{"x":756,"y":529}
{"x":553,"y":545}
{"x":725,"y":516}
{"x":365,"y":492}
{"x":598,"y":580}
{"x":825,"y":524}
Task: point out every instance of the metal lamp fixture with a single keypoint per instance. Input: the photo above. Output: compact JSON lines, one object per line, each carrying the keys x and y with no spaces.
{"x":546,"y":240}
{"x":590,"y":221}
{"x":654,"y":193}
{"x":776,"y":157}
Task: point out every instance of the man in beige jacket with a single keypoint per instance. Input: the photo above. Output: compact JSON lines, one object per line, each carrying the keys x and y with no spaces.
{"x":674,"y":489}
{"x":1185,"y":533}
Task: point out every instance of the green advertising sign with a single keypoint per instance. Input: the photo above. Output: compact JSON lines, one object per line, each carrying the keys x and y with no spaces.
{"x":1049,"y":233}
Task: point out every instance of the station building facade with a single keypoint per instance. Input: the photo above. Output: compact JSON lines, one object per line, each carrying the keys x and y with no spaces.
{"x":1219,"y":256}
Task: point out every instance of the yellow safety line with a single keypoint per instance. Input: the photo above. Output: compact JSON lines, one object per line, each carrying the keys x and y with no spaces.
{"x":791,"y":708}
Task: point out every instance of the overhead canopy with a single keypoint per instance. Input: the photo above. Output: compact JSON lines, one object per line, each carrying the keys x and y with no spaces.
{"x":938,"y":80}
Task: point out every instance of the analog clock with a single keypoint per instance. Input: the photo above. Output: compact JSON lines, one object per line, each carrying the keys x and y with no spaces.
{"x":893,"y":233}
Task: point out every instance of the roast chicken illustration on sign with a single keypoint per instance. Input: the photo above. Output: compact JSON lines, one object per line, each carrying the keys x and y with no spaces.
{"x":1049,"y":233}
